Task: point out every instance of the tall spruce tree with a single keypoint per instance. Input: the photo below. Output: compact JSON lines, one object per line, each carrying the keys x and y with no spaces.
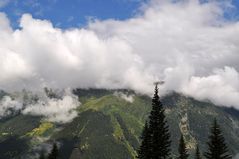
{"x":197,"y":153}
{"x":156,"y":138}
{"x":159,"y":130}
{"x":54,"y":152}
{"x":183,"y":153}
{"x":144,"y":150}
{"x":217,"y":148}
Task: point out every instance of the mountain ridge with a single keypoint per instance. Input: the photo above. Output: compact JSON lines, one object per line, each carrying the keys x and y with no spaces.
{"x":109,"y":125}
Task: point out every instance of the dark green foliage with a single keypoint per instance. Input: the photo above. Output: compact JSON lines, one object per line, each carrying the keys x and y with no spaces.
{"x":54,"y":154}
{"x":158,"y":132}
{"x":25,"y":123}
{"x":13,"y":147}
{"x":42,"y":155}
{"x":217,"y":148}
{"x":67,"y":145}
{"x":144,"y":150}
{"x":183,"y":154}
{"x":197,"y":153}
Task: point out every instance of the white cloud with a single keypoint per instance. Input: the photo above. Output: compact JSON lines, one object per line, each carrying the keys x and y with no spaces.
{"x":127,"y":97}
{"x":61,"y":109}
{"x":221,"y":87}
{"x":8,"y":106}
{"x":55,"y":110}
{"x":188,"y":44}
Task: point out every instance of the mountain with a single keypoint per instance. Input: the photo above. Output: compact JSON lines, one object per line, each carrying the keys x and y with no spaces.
{"x":109,"y":123}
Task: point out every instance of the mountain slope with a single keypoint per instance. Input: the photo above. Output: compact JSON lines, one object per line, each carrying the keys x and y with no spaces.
{"x":109,"y":124}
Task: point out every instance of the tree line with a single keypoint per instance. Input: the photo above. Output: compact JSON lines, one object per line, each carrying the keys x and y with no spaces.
{"x":156,"y":138}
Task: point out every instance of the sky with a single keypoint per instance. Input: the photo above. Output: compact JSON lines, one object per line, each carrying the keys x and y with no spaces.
{"x":76,"y":13}
{"x":192,"y":45}
{"x":73,"y":13}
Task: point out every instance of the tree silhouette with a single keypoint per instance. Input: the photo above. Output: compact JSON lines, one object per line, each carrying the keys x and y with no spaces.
{"x":183,"y":154}
{"x":144,"y":150}
{"x":197,"y":153}
{"x":157,"y":134}
{"x":54,"y":152}
{"x":159,"y":129}
{"x":217,"y":148}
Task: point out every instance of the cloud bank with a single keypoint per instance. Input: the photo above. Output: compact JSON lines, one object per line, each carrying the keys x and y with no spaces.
{"x":188,"y":44}
{"x":55,"y":110}
{"x":8,"y":106}
{"x":61,"y":109}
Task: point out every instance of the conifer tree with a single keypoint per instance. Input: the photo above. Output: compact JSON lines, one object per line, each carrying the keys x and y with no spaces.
{"x":144,"y":150}
{"x":197,"y":153}
{"x":42,"y":155}
{"x":156,"y":139}
{"x":54,"y":152}
{"x":159,"y":130}
{"x":183,"y":154}
{"x":217,"y":148}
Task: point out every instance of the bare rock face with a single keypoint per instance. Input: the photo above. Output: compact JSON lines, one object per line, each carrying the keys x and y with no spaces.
{"x":76,"y":153}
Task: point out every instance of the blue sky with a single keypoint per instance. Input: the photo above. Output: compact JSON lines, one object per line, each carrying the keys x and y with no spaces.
{"x":75,"y":13}
{"x":70,"y":13}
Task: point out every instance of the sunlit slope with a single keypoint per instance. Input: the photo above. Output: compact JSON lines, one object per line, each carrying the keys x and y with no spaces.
{"x":185,"y":115}
{"x":109,"y":124}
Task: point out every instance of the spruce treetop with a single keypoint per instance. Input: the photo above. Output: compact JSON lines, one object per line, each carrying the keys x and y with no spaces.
{"x":155,"y":137}
{"x":217,"y":148}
